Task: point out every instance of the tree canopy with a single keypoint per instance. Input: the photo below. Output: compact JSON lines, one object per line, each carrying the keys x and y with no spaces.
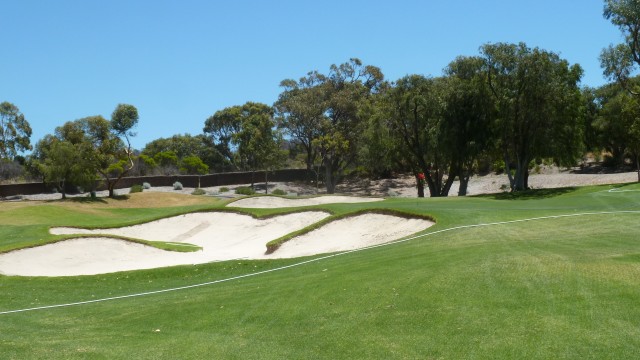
{"x":15,"y":131}
{"x":538,"y":106}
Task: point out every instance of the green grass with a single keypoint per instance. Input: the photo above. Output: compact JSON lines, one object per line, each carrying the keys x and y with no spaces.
{"x":563,"y":288}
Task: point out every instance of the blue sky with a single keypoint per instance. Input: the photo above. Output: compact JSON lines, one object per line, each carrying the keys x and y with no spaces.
{"x":179,"y":62}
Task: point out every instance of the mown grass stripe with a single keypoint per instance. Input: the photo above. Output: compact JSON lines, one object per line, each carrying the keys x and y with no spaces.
{"x":314,"y":260}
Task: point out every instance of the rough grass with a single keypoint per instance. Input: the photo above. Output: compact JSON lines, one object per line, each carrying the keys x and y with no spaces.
{"x":564,"y":288}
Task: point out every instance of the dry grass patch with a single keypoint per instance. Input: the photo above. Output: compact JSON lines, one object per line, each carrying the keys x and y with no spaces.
{"x":139,"y":201}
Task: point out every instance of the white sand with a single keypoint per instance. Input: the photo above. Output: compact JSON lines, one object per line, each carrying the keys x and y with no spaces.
{"x":272,"y":202}
{"x":223,"y":236}
{"x":352,"y":233}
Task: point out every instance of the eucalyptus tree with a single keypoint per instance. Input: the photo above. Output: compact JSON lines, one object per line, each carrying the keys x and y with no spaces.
{"x":300,"y":111}
{"x":618,"y":123}
{"x":123,"y":119}
{"x":63,"y":163}
{"x":185,"y":145}
{"x":220,"y":129}
{"x":538,"y":107}
{"x":247,"y":135}
{"x":468,"y":114}
{"x":414,"y":108}
{"x":324,"y":114}
{"x":620,"y":61}
{"x":15,"y":131}
{"x":99,"y":143}
{"x":348,"y":87}
{"x":257,"y":141}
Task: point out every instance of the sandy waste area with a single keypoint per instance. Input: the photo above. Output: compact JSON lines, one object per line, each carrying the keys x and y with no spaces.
{"x":222,"y":236}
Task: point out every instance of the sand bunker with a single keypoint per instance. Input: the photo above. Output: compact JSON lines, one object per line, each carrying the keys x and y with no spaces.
{"x":222,"y":236}
{"x":352,"y":233}
{"x":272,"y":202}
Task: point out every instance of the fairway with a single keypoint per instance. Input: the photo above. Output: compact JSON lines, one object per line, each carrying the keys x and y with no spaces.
{"x":545,"y":274}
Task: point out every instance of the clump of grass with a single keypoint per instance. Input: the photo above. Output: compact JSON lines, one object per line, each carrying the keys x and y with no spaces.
{"x":146,"y":185}
{"x":198,"y":191}
{"x":135,"y":189}
{"x":245,"y":190}
{"x":223,"y":189}
{"x":177,"y":185}
{"x":279,"y":192}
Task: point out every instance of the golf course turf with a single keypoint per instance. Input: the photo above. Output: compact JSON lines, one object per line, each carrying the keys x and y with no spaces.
{"x":553,"y":286}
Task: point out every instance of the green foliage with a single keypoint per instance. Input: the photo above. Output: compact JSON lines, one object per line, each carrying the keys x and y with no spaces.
{"x":324,"y":113}
{"x":188,"y":145}
{"x":279,"y":192}
{"x":136,"y":189}
{"x":123,"y":119}
{"x":63,"y":163}
{"x":177,"y":185}
{"x":166,"y":159}
{"x":618,"y":122}
{"x":538,"y":106}
{"x":146,"y":185}
{"x":221,"y":127}
{"x":301,"y":110}
{"x":621,"y":60}
{"x":224,"y":189}
{"x":414,"y":110}
{"x":198,"y":191}
{"x":498,"y":166}
{"x":145,"y":165}
{"x":193,"y":165}
{"x":15,"y":131}
{"x":245,"y":190}
{"x":250,"y":130}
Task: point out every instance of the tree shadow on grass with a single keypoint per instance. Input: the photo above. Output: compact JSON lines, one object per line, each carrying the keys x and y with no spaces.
{"x":530,"y":194}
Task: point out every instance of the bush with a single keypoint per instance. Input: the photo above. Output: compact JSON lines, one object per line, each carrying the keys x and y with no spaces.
{"x":135,"y":189}
{"x":177,"y":185}
{"x":278,"y":192}
{"x":223,"y":189}
{"x":146,"y":185}
{"x":198,"y":191}
{"x":245,"y":190}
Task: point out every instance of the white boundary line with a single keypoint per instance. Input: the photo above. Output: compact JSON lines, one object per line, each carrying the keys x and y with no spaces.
{"x":312,"y":260}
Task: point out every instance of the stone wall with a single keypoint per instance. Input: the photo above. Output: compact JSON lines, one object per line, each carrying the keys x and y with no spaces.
{"x":221,"y":179}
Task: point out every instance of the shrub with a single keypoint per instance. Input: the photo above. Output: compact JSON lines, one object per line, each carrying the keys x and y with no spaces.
{"x":223,"y":189}
{"x":279,"y":192}
{"x":198,"y":191}
{"x":146,"y":185}
{"x":177,"y":185}
{"x":135,"y":189}
{"x":245,"y":190}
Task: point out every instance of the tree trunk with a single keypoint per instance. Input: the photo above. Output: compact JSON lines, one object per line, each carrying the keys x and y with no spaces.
{"x":266,"y":182}
{"x":464,"y":184}
{"x":447,"y":185}
{"x":420,"y":186}
{"x":507,"y":169}
{"x":522,"y":166}
{"x":433,"y":192}
{"x":329,"y":180}
{"x":638,"y":166}
{"x":63,"y":190}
